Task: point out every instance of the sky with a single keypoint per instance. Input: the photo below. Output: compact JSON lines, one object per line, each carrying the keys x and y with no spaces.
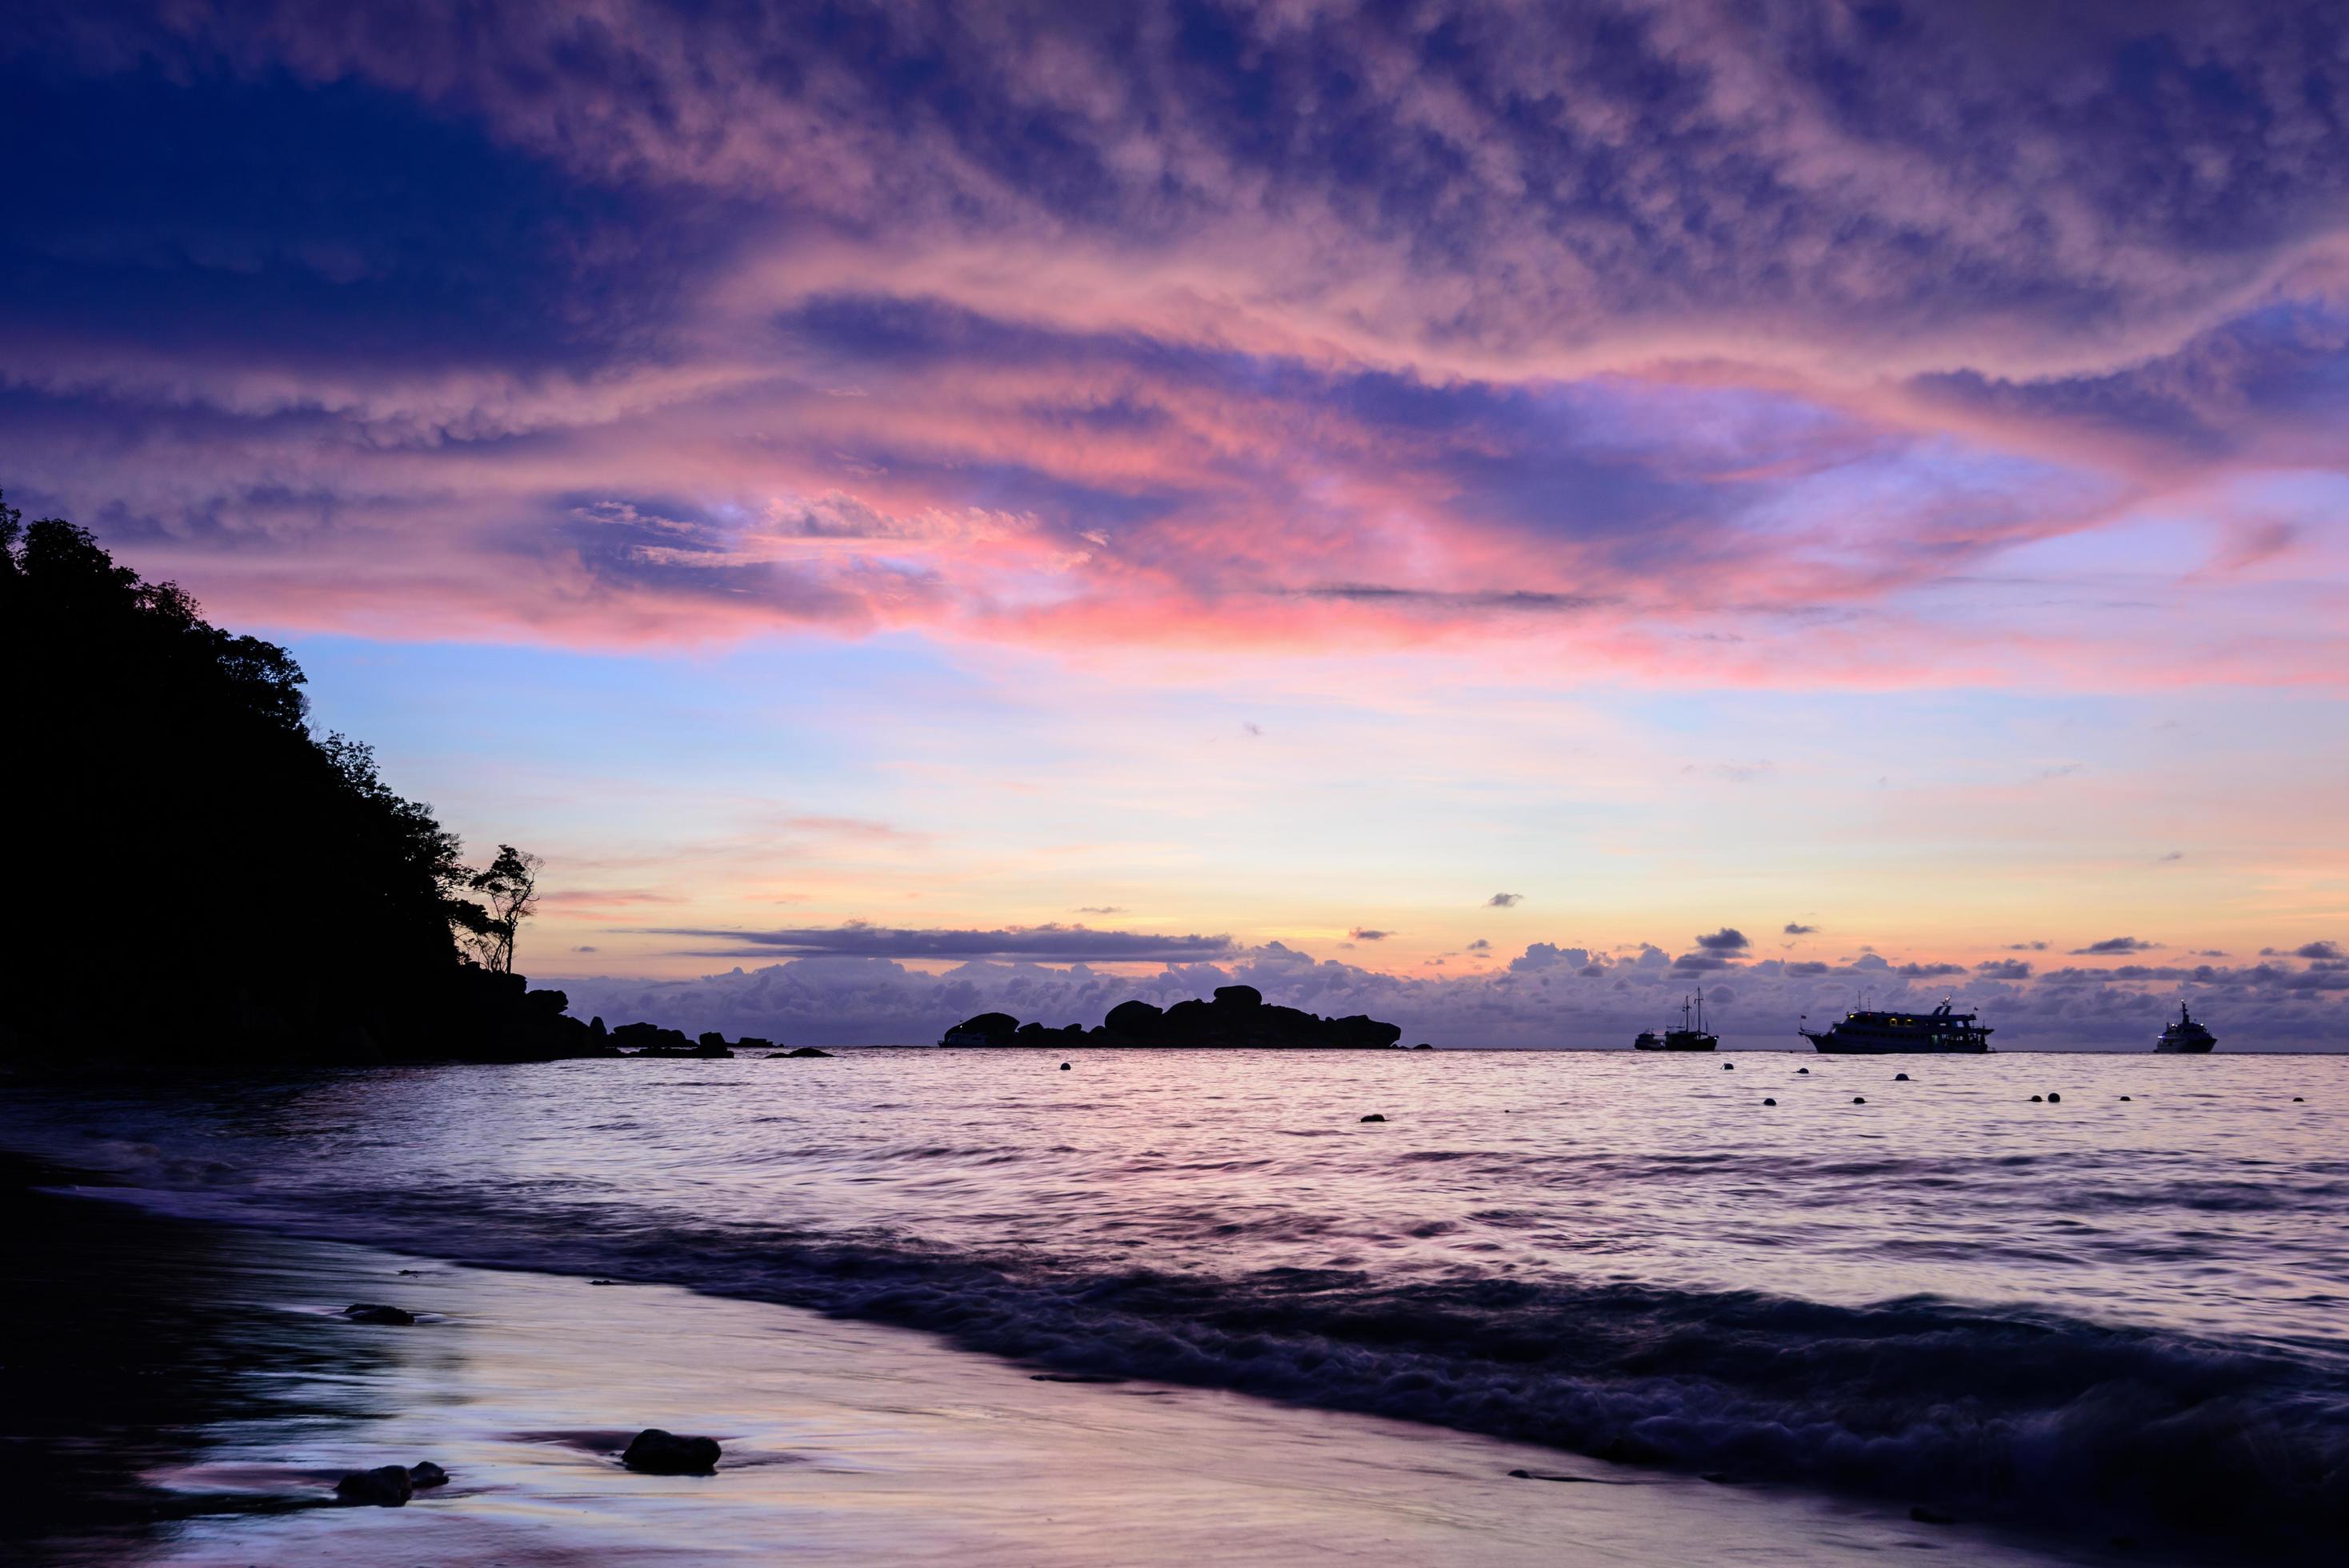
{"x":1450,"y":510}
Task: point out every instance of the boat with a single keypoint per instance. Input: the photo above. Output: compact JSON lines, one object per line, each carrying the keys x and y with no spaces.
{"x":1902,"y":1034}
{"x":2185,"y":1037}
{"x":1689,"y":1036}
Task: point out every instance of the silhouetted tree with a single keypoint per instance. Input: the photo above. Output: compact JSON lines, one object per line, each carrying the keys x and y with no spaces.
{"x":511,"y":885}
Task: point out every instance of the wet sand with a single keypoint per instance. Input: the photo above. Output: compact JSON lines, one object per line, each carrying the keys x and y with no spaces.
{"x":185,"y":1394}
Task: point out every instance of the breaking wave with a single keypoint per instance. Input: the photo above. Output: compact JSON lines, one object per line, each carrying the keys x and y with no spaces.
{"x":2009,"y":1414}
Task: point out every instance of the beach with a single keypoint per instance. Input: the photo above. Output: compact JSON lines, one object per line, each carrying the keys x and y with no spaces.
{"x":1170,"y":1305}
{"x":843,"y":1442}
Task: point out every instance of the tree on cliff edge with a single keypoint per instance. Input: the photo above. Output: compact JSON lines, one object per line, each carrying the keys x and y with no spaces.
{"x":191,"y":870}
{"x":510,"y":882}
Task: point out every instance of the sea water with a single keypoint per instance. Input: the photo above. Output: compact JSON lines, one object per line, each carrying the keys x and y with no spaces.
{"x":2123,"y":1306}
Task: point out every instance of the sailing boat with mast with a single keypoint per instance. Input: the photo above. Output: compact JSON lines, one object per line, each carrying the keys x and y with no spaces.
{"x":1690,"y":1037}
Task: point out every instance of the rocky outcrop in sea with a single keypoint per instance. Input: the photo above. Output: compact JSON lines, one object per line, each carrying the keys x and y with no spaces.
{"x":1238,"y":1019}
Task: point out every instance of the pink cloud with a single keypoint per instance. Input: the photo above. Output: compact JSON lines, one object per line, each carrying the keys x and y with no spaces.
{"x":1663,"y":349}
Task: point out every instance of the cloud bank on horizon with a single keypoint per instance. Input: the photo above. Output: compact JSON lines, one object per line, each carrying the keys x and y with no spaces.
{"x":1755,"y":344}
{"x":1547,"y":995}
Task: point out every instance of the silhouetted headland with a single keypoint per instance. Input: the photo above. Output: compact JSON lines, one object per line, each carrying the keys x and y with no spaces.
{"x":202,"y":882}
{"x":1238,"y":1019}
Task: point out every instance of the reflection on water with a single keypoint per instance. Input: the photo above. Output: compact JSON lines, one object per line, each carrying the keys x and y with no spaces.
{"x":2203,"y":1202}
{"x":843,"y":1443}
{"x":2133,"y":1301}
{"x":134,"y":1346}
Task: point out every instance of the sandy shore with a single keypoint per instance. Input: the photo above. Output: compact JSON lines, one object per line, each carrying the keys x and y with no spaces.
{"x":217,"y":1441}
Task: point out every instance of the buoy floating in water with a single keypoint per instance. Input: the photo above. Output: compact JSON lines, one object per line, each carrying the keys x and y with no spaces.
{"x":2054,"y":1099}
{"x":1859,"y":1100}
{"x":1769,"y":1102}
{"x":1900,"y":1077}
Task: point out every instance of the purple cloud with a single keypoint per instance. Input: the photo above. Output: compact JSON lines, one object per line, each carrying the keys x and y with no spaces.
{"x":680,"y":325}
{"x":1034,"y":944}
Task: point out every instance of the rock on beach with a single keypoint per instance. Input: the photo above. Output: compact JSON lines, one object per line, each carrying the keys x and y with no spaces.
{"x":376,"y":1312}
{"x":657,"y":1452}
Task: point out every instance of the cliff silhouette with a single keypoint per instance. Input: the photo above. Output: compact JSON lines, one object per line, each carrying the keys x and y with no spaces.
{"x":199,"y":879}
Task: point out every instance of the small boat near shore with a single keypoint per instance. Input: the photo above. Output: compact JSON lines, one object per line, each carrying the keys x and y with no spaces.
{"x":1939,"y":1031}
{"x":1691,"y":1036}
{"x":2184,"y":1037}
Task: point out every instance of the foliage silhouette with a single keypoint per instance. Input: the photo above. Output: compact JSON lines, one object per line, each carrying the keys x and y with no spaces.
{"x":511,"y":885}
{"x":195,"y":875}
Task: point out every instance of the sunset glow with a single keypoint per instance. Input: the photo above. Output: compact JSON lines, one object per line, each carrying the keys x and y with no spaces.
{"x":1274,"y":476}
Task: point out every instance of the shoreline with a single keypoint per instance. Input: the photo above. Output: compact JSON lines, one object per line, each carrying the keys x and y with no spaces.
{"x":845,"y":1441}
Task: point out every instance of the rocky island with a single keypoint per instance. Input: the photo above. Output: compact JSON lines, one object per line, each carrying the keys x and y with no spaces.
{"x":1238,"y":1019}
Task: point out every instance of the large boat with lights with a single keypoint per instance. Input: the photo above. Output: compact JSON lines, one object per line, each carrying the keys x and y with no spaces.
{"x":1870,"y":1033}
{"x":2184,"y":1037}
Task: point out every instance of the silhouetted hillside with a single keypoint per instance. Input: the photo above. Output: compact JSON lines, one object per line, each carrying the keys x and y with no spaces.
{"x":193,"y":874}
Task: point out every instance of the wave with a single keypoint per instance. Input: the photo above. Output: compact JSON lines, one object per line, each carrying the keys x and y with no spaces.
{"x":2005,"y":1414}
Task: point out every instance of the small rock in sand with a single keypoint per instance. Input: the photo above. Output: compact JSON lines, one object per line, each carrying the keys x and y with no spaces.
{"x":657,"y":1452}
{"x":375,"y":1312}
{"x":1064,"y":1067}
{"x":2037,"y":1098}
{"x":1802,"y":1070}
{"x":387,"y":1486}
{"x":603,"y":1281}
{"x":2123,"y":1097}
{"x":1729,"y":1067}
{"x":425,"y":1473}
{"x":1374,"y":1116}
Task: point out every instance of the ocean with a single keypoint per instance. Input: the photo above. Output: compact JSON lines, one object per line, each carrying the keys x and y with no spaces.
{"x":2117,"y":1312}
